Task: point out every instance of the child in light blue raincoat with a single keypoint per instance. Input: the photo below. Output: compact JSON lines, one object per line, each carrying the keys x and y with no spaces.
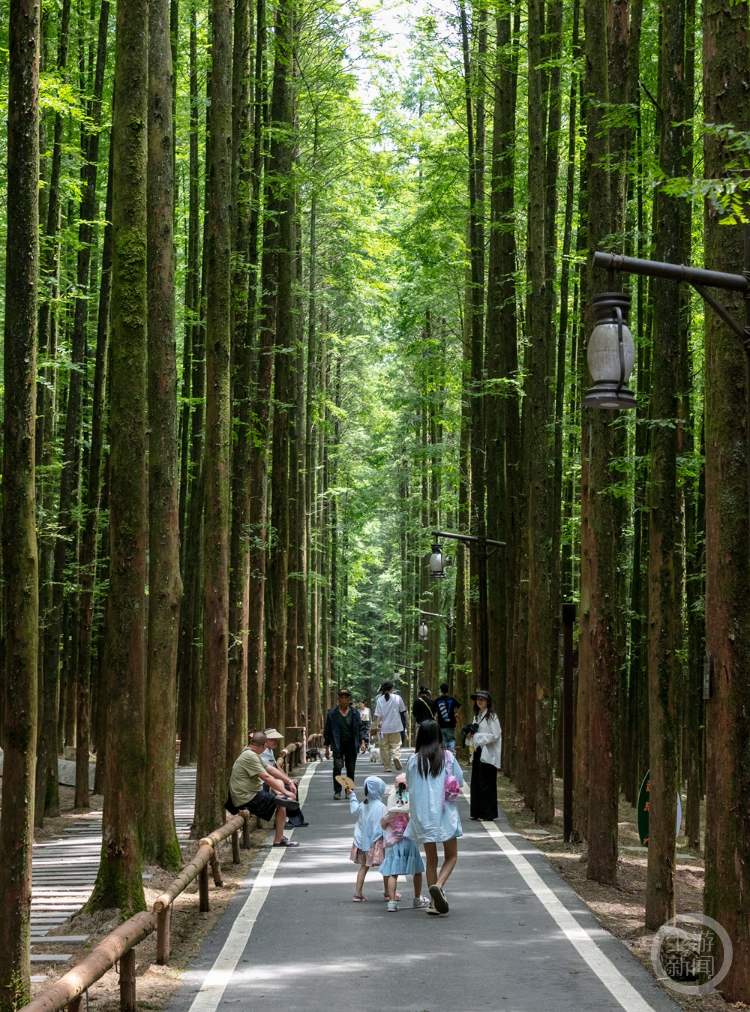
{"x":368,"y":849}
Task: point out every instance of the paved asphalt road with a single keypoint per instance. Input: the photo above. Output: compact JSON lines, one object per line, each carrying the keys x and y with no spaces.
{"x":292,"y":938}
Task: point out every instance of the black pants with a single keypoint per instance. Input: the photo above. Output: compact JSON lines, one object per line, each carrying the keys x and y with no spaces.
{"x":483,"y":788}
{"x":346,"y":757}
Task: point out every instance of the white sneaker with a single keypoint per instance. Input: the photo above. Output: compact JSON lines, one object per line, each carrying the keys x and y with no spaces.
{"x":420,"y":901}
{"x":392,"y":906}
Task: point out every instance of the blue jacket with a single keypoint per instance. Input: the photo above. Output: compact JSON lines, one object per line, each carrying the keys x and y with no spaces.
{"x":331,"y":732}
{"x":367,"y":829}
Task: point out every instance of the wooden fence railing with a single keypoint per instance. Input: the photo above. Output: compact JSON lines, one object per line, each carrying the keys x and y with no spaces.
{"x":119,"y":945}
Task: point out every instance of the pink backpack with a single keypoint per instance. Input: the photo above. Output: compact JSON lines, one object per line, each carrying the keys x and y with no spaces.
{"x":452,"y":788}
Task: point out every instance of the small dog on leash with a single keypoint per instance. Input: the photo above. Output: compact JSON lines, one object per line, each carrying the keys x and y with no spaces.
{"x":374,"y":753}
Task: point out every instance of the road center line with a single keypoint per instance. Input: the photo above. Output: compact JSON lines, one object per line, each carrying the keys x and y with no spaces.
{"x":603,"y":967}
{"x":220,"y":974}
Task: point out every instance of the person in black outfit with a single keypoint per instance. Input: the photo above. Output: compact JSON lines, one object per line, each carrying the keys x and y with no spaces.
{"x":345,"y":732}
{"x":446,"y":709}
{"x":422,"y":707}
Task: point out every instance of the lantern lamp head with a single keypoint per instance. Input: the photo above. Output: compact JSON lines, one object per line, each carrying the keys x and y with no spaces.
{"x":611,"y":354}
{"x":423,"y":631}
{"x":437,"y":564}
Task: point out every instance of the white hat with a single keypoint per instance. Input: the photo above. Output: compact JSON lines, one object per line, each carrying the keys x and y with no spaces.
{"x":271,"y":732}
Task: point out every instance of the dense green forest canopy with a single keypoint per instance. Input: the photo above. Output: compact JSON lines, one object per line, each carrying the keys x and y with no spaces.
{"x":291,"y":286}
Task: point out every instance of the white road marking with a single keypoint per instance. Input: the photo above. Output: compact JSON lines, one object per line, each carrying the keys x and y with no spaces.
{"x":620,"y":988}
{"x":221,"y":972}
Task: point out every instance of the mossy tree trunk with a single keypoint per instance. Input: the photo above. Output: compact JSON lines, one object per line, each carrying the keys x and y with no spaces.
{"x":20,"y":574}
{"x":160,"y":844}
{"x":194,"y":383}
{"x":119,"y":883}
{"x":261,"y":407}
{"x":88,"y":212}
{"x":727,"y":890}
{"x":665,"y":516}
{"x":599,"y":665}
{"x":282,"y":206}
{"x":242,"y":334}
{"x":211,"y":782}
{"x":539,"y":331}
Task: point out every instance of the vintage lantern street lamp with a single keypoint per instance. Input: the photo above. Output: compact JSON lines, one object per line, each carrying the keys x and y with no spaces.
{"x":437,"y":563}
{"x":423,"y":631}
{"x":611,"y":354}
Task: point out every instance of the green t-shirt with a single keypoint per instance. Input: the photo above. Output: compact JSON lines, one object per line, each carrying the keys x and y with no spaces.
{"x":245,"y":782}
{"x":346,"y":728}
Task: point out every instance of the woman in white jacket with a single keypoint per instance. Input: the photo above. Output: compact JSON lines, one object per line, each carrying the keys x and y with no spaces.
{"x":487,"y":742}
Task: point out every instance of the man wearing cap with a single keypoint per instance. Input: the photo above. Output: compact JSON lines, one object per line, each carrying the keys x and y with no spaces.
{"x":249,"y":773}
{"x":345,"y":732}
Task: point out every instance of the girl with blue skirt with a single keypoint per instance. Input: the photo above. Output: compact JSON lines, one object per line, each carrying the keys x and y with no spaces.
{"x":402,"y":855}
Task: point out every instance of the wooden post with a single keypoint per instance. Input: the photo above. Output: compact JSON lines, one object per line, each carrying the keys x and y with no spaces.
{"x":127,"y":981}
{"x":75,"y":1005}
{"x":163,"y":919}
{"x":246,"y":833}
{"x":569,"y":617}
{"x":295,"y":735}
{"x":235,"y":847}
{"x":203,"y":889}
{"x":216,"y":867}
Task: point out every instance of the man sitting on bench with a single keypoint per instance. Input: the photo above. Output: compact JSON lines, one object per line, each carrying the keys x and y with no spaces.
{"x":246,"y":788}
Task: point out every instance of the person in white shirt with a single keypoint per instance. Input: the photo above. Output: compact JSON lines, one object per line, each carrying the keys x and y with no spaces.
{"x":388,"y":712}
{"x":273,"y":737}
{"x":487,"y":742}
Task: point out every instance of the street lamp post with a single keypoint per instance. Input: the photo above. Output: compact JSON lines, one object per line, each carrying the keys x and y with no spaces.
{"x":700,"y":280}
{"x":479,"y":546}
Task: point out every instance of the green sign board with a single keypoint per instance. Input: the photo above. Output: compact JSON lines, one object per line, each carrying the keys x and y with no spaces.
{"x":643,"y":809}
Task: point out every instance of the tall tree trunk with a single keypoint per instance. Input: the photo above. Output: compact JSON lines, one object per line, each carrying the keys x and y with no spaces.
{"x":463,"y":621}
{"x":302,"y":645}
{"x":313,"y":370}
{"x":119,"y":883}
{"x":47,"y":796}
{"x":160,"y":844}
{"x":665,"y":514}
{"x":727,"y":892}
{"x":95,"y":495}
{"x":259,"y":436}
{"x":20,"y":576}
{"x":242,"y":355}
{"x":211,"y":780}
{"x":477,"y":562}
{"x":282,"y":205}
{"x":552,"y":52}
{"x":194,"y":387}
{"x":599,"y":665}
{"x":538,"y":670}
{"x":89,"y":207}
